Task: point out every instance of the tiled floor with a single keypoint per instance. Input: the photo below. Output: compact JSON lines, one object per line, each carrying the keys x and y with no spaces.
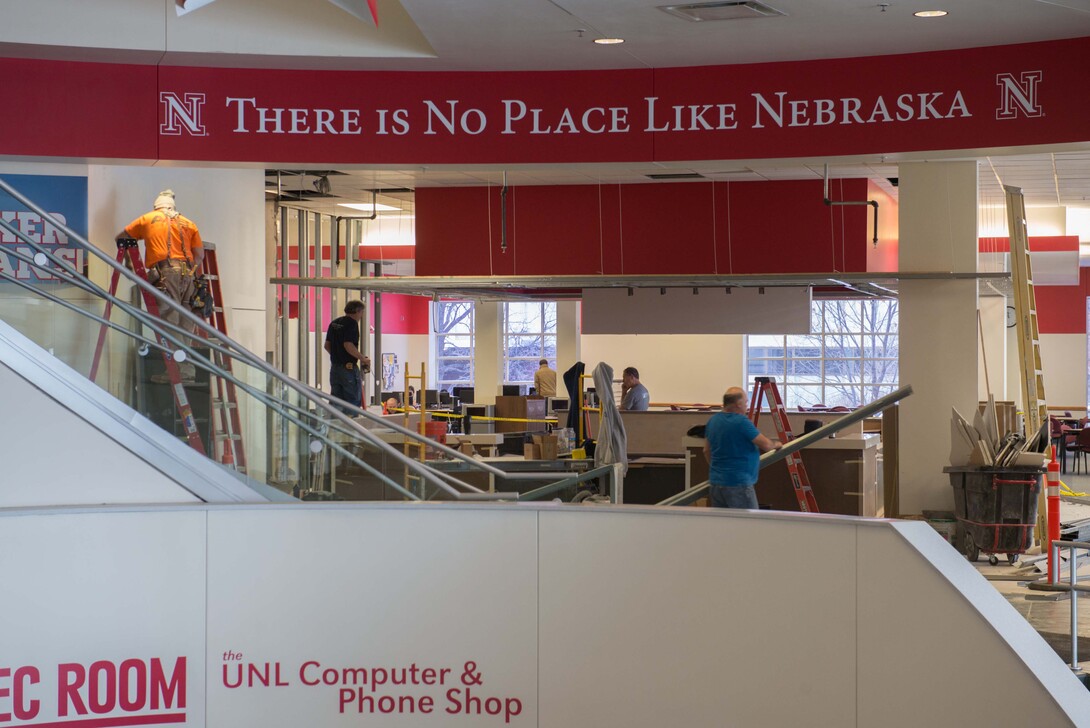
{"x":1049,"y":612}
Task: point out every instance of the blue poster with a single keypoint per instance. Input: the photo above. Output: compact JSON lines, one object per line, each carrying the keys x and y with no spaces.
{"x":65,"y":198}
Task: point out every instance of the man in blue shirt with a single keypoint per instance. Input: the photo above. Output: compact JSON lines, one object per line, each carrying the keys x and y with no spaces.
{"x":634,"y":396}
{"x":733,"y":448}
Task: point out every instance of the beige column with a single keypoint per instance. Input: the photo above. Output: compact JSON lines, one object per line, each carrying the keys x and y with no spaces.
{"x":487,"y":351}
{"x":567,"y":338}
{"x":938,"y":326}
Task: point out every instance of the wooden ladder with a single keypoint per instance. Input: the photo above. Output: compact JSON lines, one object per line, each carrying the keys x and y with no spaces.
{"x":1034,"y":407}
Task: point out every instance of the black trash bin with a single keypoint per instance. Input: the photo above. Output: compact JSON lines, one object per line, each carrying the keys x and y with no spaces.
{"x":996,"y":510}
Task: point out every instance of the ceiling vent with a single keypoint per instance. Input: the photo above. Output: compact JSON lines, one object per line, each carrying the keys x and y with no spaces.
{"x":676,"y":175}
{"x":729,"y":10}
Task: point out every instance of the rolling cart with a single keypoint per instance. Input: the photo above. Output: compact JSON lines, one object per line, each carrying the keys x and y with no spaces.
{"x":996,"y":510}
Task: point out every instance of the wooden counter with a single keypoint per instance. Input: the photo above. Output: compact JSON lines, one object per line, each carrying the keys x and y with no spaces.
{"x":843,"y":474}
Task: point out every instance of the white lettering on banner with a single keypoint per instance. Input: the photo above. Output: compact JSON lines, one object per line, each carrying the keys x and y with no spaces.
{"x":399,"y":122}
{"x":471,"y":121}
{"x":34,"y":227}
{"x":374,"y":690}
{"x":594,"y":120}
{"x":101,"y":688}
{"x":270,"y":120}
{"x":451,"y":117}
{"x":1018,"y":95}
{"x":689,"y":117}
{"x":181,"y":113}
{"x":821,"y":112}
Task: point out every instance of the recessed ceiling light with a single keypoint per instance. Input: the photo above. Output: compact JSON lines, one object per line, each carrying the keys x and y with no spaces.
{"x":608,"y":41}
{"x":366,"y":206}
{"x":930,"y":14}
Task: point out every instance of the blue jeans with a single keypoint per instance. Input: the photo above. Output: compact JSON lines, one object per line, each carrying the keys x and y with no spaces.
{"x":346,"y":384}
{"x":734,"y":496}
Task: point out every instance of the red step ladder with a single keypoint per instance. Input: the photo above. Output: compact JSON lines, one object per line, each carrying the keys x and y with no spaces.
{"x":128,"y":254}
{"x":227,"y":422}
{"x":766,"y":387}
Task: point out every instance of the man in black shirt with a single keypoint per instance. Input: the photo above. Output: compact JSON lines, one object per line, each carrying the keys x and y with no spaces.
{"x":342,"y":340}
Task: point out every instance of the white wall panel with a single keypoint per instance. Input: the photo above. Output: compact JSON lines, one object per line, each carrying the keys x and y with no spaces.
{"x":932,"y":627}
{"x":712,"y":311}
{"x":673,"y":629}
{"x":1063,"y":357}
{"x":679,"y":368}
{"x":53,"y":458}
{"x":573,"y":616}
{"x":112,"y":586}
{"x":375,"y":588}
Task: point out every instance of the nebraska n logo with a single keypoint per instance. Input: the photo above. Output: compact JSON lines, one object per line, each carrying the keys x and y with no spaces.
{"x":181,"y":114}
{"x":1018,"y":94}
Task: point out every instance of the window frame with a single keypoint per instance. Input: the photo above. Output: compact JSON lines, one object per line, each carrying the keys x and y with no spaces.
{"x":542,"y":333}
{"x":871,"y":337}
{"x":437,"y":341}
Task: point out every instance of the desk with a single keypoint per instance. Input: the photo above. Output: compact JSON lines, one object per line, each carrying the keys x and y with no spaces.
{"x":843,"y":474}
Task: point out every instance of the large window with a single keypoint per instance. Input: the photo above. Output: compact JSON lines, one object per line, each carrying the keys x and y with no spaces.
{"x":849,"y":359}
{"x":529,"y":335}
{"x":453,"y":343}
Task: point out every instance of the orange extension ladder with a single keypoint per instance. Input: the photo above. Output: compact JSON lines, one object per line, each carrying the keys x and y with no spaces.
{"x":766,"y":387}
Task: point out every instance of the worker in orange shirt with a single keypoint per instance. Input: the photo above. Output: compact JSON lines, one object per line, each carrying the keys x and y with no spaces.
{"x":173,"y":253}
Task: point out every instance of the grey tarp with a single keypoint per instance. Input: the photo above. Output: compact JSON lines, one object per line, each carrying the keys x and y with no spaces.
{"x":612,"y":445}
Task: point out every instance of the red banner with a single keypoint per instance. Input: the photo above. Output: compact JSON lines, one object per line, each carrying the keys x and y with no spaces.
{"x":1018,"y":95}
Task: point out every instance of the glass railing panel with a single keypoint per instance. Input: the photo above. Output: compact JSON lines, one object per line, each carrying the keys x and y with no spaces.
{"x":236,"y":409}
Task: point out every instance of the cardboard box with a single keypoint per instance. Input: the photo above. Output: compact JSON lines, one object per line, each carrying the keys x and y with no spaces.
{"x":547,"y":446}
{"x":467,"y":448}
{"x":531,"y":452}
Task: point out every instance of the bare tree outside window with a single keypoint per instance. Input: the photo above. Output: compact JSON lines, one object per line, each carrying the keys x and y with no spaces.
{"x":529,"y":335}
{"x":849,"y":359}
{"x":454,"y":342}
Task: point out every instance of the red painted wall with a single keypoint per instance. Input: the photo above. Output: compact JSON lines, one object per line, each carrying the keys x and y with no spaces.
{"x":643,"y":229}
{"x":404,"y":314}
{"x":1062,"y":309}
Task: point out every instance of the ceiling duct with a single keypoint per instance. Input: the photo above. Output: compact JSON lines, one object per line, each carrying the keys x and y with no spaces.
{"x":727,"y":10}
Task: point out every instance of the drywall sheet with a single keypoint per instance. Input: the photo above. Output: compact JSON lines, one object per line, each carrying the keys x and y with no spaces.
{"x":696,"y":311}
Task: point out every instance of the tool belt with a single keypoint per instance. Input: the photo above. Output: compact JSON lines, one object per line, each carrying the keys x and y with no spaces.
{"x":174,"y":263}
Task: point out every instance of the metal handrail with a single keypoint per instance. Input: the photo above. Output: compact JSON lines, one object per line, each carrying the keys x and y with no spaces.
{"x":237,"y":351}
{"x":602,"y":470}
{"x":1071,"y":587}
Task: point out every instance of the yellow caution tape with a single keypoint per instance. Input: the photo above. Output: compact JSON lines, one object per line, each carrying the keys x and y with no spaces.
{"x":1065,"y":490}
{"x":476,"y":418}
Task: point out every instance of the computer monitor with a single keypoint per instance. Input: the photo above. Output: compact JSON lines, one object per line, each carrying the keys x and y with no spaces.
{"x":444,"y":396}
{"x":512,"y":390}
{"x":463,"y":394}
{"x":387,"y":395}
{"x":431,"y":397}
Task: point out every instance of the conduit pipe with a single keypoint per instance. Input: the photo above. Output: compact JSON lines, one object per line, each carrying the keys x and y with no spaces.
{"x":873,"y":203}
{"x":503,"y":215}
